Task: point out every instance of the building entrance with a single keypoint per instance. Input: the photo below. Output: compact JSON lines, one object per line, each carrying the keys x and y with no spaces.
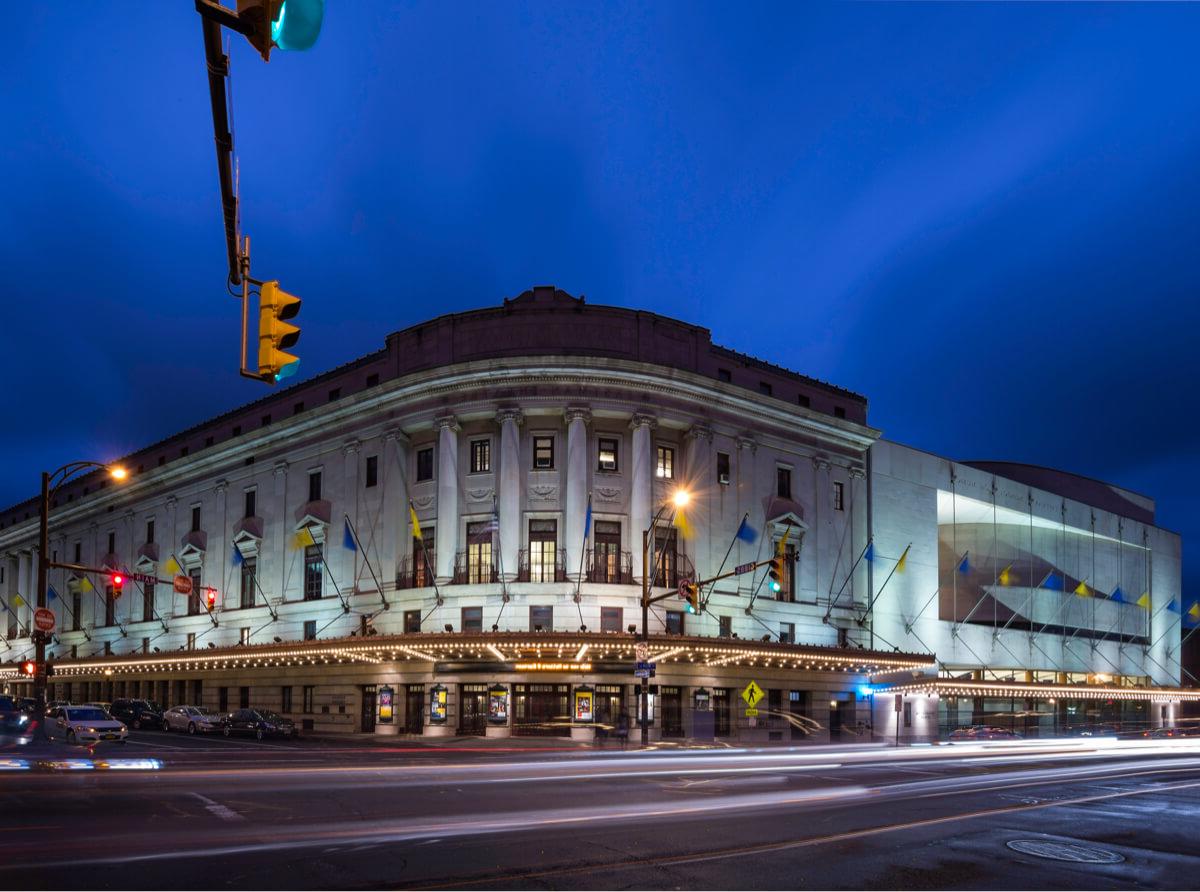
{"x":472,"y":709}
{"x":672,"y":711}
{"x":369,"y":697}
{"x":414,"y":708}
{"x":542,"y":710}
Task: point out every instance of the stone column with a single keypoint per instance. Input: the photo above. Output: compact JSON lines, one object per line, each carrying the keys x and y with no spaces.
{"x":698,"y":472}
{"x":746,"y":502}
{"x":856,"y":507}
{"x":447,"y":496}
{"x":351,"y":451}
{"x":26,"y":583}
{"x":508,"y":489}
{"x":393,"y":480}
{"x":277,"y":534}
{"x":821,"y":498}
{"x":641,"y":491}
{"x":224,"y":553}
{"x":575,"y":506}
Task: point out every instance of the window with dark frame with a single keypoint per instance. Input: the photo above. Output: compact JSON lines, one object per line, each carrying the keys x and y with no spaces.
{"x":372,"y":474}
{"x":543,"y":453}
{"x":78,"y":546}
{"x":191,"y":641}
{"x":249,"y":568}
{"x":543,"y":548}
{"x":424,"y":554}
{"x":479,"y":552}
{"x":804,"y":400}
{"x":725,"y":629}
{"x":314,"y":570}
{"x":481,"y":456}
{"x":306,"y":701}
{"x":606,"y":555}
{"x":194,"y":597}
{"x":314,"y":486}
{"x":112,"y":542}
{"x":372,"y":379}
{"x":723,"y":468}
{"x":310,"y":630}
{"x":147,"y":601}
{"x":839,"y":496}
{"x":787,"y":633}
{"x":472,"y":619}
{"x":412,"y":622}
{"x":674,"y":622}
{"x":724,"y":375}
{"x":787,"y":587}
{"x":541,"y":616}
{"x":607,"y":453}
{"x":664,"y":466}
{"x":610,"y":619}
{"x":425,"y":464}
{"x":251,"y":503}
{"x":839,"y":412}
{"x":285,"y":699}
{"x":765,"y":388}
{"x":195,"y":518}
{"x":783,"y":483}
{"x":150,"y":531}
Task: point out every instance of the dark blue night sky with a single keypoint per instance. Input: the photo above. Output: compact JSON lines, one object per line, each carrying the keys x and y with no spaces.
{"x":986,"y":218}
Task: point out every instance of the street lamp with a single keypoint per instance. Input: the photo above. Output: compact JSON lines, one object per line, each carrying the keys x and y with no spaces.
{"x":51,"y":481}
{"x":677,"y":501}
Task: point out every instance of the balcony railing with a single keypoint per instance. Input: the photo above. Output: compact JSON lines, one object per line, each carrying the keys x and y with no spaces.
{"x":413,"y":572}
{"x":542,"y":572}
{"x":609,"y":567}
{"x":464,"y":574}
{"x":671,"y":569}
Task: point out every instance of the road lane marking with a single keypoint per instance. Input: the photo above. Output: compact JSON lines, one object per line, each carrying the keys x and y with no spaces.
{"x":221,"y":811}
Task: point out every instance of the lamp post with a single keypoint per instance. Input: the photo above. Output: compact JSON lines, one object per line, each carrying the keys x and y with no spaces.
{"x":51,"y":481}
{"x":679,"y":500}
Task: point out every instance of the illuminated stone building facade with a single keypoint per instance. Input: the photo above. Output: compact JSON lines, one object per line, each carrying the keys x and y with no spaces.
{"x":534,"y":445}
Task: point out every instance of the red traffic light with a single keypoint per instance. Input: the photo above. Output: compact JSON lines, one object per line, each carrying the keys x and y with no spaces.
{"x":117,"y":581}
{"x":29,"y":667}
{"x":212,"y":598}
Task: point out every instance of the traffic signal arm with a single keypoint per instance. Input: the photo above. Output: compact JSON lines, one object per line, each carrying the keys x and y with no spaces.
{"x":700,"y":583}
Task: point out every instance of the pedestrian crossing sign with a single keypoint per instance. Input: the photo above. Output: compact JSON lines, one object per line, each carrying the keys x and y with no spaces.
{"x":752,"y":694}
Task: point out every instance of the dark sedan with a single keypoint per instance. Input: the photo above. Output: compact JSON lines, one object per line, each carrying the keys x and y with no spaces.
{"x":137,"y":713}
{"x":258,"y":723}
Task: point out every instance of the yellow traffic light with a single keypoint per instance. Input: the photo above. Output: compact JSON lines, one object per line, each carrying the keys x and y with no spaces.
{"x":274,"y":334}
{"x":286,"y":24}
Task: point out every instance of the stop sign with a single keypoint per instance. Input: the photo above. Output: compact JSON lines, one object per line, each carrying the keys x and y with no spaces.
{"x":43,"y":619}
{"x":183,"y":585}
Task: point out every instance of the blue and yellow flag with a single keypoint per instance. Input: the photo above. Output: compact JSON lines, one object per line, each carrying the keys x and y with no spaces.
{"x":964,"y":566}
{"x":172,"y":566}
{"x":900,"y":564}
{"x":303,"y":538}
{"x":1007,"y":577}
{"x":746,"y":533}
{"x":1118,"y":595}
{"x":416,"y":524}
{"x":1144,"y":601}
{"x":85,"y":585}
{"x":1082,"y":590}
{"x":1053,"y":581}
{"x":348,"y":537}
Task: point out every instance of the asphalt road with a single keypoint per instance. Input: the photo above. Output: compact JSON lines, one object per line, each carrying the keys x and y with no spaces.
{"x":213,"y":813}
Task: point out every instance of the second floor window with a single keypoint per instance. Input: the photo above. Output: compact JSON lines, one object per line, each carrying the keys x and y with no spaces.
{"x":543,"y":453}
{"x":472,"y":619}
{"x":481,"y":456}
{"x":314,"y":486}
{"x":787,"y":591}
{"x":314,"y":570}
{"x":787,"y":633}
{"x":194,"y":597}
{"x":147,"y":601}
{"x":543,"y":545}
{"x":423,"y":560}
{"x":839,"y":496}
{"x":608,"y":447}
{"x":372,"y":471}
{"x":251,"y":503}
{"x":610,"y":619}
{"x":783,"y":483}
{"x":249,"y":566}
{"x":665,"y":466}
{"x":725,"y":629}
{"x":674,"y":622}
{"x":425,"y":464}
{"x":150,"y":532}
{"x":541,"y":619}
{"x":195,"y":518}
{"x":76,"y":612}
{"x":723,"y":468}
{"x":310,"y":631}
{"x":110,"y":607}
{"x":412,"y":622}
{"x":479,"y":552}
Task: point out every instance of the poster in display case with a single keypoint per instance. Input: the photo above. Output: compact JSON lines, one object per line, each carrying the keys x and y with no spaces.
{"x":585,"y":699}
{"x":498,"y":704}
{"x":386,"y":698}
{"x":437,"y":704}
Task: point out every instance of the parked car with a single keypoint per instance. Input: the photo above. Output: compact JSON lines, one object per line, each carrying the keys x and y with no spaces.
{"x":27,"y":704}
{"x":1158,"y":733}
{"x":193,"y":719}
{"x":982,"y":732}
{"x":257,"y":722}
{"x":1091,"y":731}
{"x":136,"y":714}
{"x":101,"y":704}
{"x":15,"y":726}
{"x":84,"y":724}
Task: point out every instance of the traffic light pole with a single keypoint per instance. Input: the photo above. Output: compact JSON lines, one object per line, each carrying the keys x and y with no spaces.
{"x":43,"y":569}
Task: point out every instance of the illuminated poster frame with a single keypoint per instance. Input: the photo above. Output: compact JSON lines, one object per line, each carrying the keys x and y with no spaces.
{"x":498,"y":704}
{"x":437,"y":704}
{"x":387,"y":697}
{"x":585,"y":703}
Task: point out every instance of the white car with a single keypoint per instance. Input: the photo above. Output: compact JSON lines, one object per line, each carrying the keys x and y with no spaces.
{"x":84,"y":724}
{"x":193,"y":719}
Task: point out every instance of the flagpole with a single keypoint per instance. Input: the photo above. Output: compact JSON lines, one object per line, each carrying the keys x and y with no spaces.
{"x":583,"y":553}
{"x":367,"y":561}
{"x":875,"y":597}
{"x":499,"y":554}
{"x":425,"y":555}
{"x":728,"y":552}
{"x":849,"y":576}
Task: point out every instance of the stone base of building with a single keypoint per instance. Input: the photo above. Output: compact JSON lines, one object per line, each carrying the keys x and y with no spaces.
{"x":439,"y":731}
{"x":387,"y":730}
{"x":586,"y":733}
{"x":498,"y":731}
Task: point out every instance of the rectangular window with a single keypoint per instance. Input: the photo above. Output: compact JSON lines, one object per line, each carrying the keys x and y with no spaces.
{"x":723,"y":468}
{"x":674,"y":622}
{"x":783,"y":483}
{"x":307,"y":699}
{"x":787,"y":633}
{"x":335,"y":394}
{"x":610,"y":619}
{"x":608,"y":448}
{"x":543,"y":453}
{"x":222,"y":699}
{"x":764,"y":388}
{"x":472,"y":619}
{"x":110,"y":606}
{"x":249,"y":568}
{"x":112,"y":542}
{"x":244,"y":635}
{"x":372,"y":471}
{"x":244,"y":697}
{"x":541,"y":619}
{"x":481,"y":456}
{"x":424,"y":559}
{"x":76,"y":611}
{"x":194,"y":597}
{"x":285,"y":699}
{"x":839,"y":412}
{"x":804,"y":400}
{"x":195,"y":518}
{"x":425,"y":464}
{"x":787,"y":591}
{"x":310,"y":630}
{"x":372,"y":379}
{"x":314,"y":570}
{"x":314,"y":486}
{"x":145,"y":645}
{"x":907,"y":715}
{"x":150,"y":532}
{"x":191,"y":640}
{"x":266,"y":420}
{"x":606,"y":555}
{"x":724,"y":375}
{"x":251,"y":503}
{"x":666,"y":558}
{"x":726,"y":626}
{"x":78,"y":547}
{"x":665,"y":465}
{"x":839,"y":496}
{"x":297,"y":408}
{"x":412,"y":622}
{"x":147,"y":601}
{"x":543,"y":548}
{"x":479,"y":552}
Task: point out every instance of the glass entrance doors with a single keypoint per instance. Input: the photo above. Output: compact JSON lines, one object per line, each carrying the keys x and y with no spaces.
{"x":542,"y":710}
{"x":414,"y":708}
{"x":472,"y":709}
